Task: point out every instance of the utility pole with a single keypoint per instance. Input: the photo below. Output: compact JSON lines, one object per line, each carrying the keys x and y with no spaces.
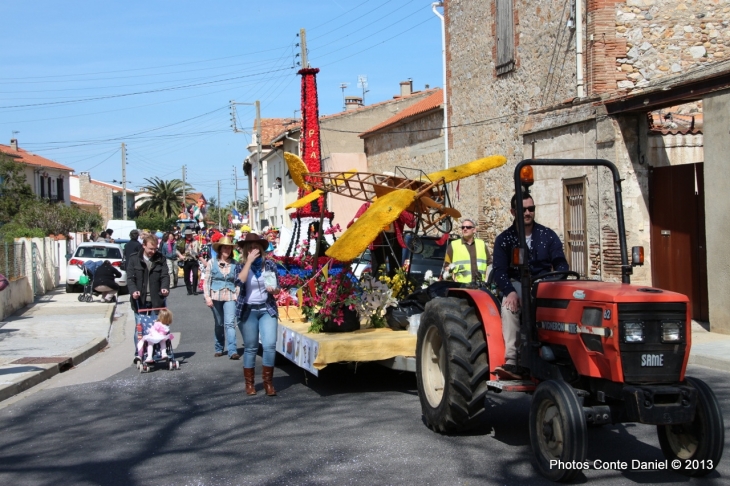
{"x":303,"y":45}
{"x":258,"y":157}
{"x":124,"y":182}
{"x":219,"y":204}
{"x":185,"y":206}
{"x":235,"y":188}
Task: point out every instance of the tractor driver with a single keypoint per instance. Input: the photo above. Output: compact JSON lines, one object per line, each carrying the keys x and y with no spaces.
{"x":545,"y":255}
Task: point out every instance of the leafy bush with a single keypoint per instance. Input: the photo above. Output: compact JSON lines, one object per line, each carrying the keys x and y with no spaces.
{"x":155,"y":221}
{"x":10,"y":231}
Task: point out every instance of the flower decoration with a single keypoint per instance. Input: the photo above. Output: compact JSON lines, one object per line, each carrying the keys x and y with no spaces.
{"x":428,"y":279}
{"x":376,"y":298}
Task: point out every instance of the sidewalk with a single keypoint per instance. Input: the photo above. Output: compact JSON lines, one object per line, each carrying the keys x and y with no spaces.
{"x":58,"y":332}
{"x":54,"y":334}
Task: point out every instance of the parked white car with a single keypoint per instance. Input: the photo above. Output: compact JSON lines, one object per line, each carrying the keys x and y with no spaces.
{"x":95,"y":252}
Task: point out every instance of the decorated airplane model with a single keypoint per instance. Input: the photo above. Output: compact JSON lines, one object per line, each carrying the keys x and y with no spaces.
{"x":425,"y":197}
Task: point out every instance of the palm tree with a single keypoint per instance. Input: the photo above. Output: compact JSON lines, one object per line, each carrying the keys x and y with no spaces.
{"x":163,"y":197}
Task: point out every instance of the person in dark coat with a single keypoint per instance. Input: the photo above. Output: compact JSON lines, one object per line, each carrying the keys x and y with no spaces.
{"x":147,"y":276}
{"x":133,"y":246}
{"x":104,"y":281}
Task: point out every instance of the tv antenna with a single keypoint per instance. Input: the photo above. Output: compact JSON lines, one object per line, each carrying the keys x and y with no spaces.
{"x":342,"y":87}
{"x":362,"y":82}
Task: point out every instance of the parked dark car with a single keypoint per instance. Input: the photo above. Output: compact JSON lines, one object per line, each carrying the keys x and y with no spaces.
{"x":431,"y":258}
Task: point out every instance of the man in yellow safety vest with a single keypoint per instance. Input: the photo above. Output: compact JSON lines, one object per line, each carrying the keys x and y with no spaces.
{"x":468,"y":257}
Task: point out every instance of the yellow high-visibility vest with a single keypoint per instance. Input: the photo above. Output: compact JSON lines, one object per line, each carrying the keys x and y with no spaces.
{"x":462,"y":260}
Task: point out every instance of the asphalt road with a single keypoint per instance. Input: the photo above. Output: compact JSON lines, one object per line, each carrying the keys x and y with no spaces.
{"x":104,"y":423}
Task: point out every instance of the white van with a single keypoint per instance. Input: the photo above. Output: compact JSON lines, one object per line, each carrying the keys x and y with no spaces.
{"x":121,"y":227}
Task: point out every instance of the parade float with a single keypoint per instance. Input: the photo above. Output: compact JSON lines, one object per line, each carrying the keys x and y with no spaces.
{"x":328,"y":315}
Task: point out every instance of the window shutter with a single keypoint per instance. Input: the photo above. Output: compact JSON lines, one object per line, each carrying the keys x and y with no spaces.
{"x":505,"y":37}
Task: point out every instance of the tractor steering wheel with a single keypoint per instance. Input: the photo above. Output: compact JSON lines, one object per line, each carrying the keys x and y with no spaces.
{"x":564,"y":274}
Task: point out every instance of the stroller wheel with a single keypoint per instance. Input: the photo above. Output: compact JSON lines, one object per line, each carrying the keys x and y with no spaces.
{"x":170,"y":365}
{"x":82,"y":298}
{"x":177,"y":365}
{"x":89,"y":298}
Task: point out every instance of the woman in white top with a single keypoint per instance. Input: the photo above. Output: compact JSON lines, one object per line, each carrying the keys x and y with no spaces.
{"x":257,"y":310}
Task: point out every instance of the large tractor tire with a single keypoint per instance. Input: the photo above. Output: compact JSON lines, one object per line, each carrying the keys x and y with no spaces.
{"x":698,"y":445}
{"x":558,"y":430}
{"x":451,"y":365}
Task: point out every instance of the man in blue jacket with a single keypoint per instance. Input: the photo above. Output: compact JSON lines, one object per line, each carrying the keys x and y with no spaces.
{"x":545,"y":255}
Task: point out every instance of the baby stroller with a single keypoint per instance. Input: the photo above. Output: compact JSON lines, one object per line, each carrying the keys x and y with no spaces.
{"x":87,"y":280}
{"x":145,"y":321}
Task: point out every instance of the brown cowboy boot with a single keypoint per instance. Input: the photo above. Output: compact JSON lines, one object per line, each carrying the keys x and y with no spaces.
{"x":268,"y":375}
{"x":248,"y":375}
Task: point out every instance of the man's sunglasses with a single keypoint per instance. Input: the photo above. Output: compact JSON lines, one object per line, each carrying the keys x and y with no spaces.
{"x":529,"y":208}
{"x":467,"y":227}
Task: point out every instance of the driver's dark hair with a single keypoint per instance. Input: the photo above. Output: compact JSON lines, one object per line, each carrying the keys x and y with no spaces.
{"x":525,"y":195}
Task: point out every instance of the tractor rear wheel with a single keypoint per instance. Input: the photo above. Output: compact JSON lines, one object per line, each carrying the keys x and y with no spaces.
{"x":698,"y":445}
{"x":451,"y":365}
{"x":558,"y":430}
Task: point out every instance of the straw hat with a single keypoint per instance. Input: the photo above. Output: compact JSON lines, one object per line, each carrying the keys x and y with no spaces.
{"x":254,"y":238}
{"x":225,"y":241}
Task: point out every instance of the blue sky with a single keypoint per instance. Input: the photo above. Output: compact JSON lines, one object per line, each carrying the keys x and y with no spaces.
{"x":78,"y":78}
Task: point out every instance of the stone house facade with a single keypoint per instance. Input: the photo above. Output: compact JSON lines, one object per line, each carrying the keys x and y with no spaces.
{"x":107,"y":197}
{"x":518,"y":86}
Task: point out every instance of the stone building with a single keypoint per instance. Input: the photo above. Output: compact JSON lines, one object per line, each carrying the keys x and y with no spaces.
{"x":47,"y":179}
{"x":534,"y":79}
{"x":413,"y":138}
{"x":107,"y":197}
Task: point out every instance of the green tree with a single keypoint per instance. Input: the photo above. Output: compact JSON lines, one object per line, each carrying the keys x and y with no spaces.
{"x":155,"y":221}
{"x":242,"y":206}
{"x":14,"y":188}
{"x":164,"y":197}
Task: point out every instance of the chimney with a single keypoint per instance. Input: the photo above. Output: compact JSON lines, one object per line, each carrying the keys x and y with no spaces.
{"x":85,"y":177}
{"x":406,"y":87}
{"x":352,"y":103}
{"x":14,"y":144}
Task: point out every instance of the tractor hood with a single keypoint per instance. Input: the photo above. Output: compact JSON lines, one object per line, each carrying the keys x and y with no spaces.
{"x":605,"y":292}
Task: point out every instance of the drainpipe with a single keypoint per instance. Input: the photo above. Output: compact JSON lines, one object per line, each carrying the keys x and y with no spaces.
{"x":579,"y":47}
{"x":443,"y":55}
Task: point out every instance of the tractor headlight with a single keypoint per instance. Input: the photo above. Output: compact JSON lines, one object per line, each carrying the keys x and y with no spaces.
{"x":633,"y":332}
{"x":671,"y":332}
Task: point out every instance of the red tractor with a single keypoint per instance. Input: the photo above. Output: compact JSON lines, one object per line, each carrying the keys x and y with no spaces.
{"x":597,"y":353}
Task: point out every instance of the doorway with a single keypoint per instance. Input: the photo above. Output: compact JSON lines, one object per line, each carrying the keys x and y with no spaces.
{"x":678,"y":249}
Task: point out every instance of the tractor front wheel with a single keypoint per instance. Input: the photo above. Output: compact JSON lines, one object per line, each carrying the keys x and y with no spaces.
{"x":451,"y":365}
{"x":698,"y":445}
{"x":558,"y":431}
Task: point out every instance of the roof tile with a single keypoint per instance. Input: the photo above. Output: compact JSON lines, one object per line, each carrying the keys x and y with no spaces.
{"x":25,"y":157}
{"x":429,"y":103}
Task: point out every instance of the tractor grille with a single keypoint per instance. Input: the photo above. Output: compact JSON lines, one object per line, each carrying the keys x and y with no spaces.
{"x":652,"y":361}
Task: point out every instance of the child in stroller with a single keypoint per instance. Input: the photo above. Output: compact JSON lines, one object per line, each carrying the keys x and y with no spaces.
{"x":155,"y":342}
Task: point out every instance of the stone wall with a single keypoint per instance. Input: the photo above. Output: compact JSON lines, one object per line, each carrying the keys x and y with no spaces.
{"x":417,"y":144}
{"x":646,"y":40}
{"x":97,"y":194}
{"x":487,"y":111}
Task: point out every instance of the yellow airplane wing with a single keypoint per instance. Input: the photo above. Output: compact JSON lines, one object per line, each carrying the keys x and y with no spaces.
{"x":382,"y":212}
{"x":472,"y":168}
{"x":299,"y":203}
{"x":297,"y":170}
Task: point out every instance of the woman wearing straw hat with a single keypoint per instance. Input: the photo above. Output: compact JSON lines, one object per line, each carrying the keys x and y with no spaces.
{"x":256,"y":309}
{"x":221,"y":293}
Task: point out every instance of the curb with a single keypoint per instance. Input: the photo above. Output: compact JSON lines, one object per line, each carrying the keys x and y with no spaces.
{"x":78,"y":356}
{"x":13,"y":389}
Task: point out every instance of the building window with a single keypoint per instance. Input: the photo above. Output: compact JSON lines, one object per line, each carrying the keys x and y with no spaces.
{"x":505,"y":37}
{"x":43,"y":186}
{"x":576,"y":241}
{"x":59,"y":190}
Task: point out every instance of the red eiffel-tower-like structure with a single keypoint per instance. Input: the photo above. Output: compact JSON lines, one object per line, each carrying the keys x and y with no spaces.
{"x":306,"y":219}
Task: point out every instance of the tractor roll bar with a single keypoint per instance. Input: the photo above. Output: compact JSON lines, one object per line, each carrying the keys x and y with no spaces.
{"x":625,"y":267}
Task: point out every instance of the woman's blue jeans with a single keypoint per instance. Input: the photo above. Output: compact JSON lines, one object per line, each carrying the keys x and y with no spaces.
{"x":259,"y":322}
{"x":224,"y":313}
